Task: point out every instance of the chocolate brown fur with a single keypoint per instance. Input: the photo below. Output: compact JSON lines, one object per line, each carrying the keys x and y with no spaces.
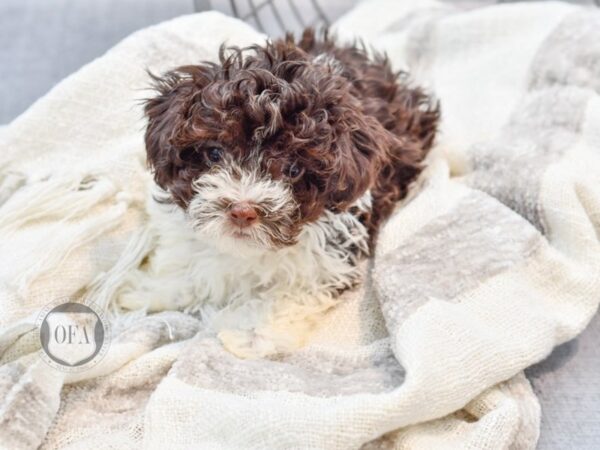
{"x":346,"y":120}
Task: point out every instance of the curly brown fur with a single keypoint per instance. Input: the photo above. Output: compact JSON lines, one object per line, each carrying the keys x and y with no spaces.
{"x":344,"y":121}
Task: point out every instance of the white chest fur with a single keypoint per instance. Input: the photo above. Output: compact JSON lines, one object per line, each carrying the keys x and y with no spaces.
{"x":232,"y":285}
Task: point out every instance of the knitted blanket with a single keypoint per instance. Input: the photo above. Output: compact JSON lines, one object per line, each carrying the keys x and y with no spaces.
{"x":493,"y":261}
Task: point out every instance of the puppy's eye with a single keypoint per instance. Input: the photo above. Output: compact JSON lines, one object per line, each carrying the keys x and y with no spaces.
{"x":214,"y":154}
{"x":294,"y":171}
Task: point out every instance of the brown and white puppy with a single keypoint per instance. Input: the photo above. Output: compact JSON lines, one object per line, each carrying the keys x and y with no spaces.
{"x":283,"y":160}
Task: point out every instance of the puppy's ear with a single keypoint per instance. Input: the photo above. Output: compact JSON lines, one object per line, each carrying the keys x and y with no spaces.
{"x":359,"y":155}
{"x":165,"y":112}
{"x":168,"y":113}
{"x":410,"y":138}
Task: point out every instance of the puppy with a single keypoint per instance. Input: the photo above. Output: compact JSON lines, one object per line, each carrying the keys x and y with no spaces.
{"x":276,"y":167}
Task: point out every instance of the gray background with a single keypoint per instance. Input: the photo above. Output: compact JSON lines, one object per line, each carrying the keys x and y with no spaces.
{"x":42,"y":41}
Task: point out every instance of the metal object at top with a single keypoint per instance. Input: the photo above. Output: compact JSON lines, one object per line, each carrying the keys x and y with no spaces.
{"x":276,"y":17}
{"x":255,"y":7}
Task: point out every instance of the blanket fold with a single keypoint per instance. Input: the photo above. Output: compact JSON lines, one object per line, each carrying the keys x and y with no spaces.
{"x":491,"y":263}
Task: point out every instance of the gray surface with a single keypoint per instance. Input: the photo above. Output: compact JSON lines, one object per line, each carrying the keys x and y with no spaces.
{"x":568,"y":386}
{"x":42,"y":41}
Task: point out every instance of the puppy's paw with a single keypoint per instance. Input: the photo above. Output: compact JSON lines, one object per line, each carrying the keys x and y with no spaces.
{"x":247,"y":344}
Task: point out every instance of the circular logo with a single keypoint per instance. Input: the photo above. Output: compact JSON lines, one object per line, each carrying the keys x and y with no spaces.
{"x":74,"y":336}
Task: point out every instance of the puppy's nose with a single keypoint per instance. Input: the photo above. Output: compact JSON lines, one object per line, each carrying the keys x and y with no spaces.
{"x":243,"y":214}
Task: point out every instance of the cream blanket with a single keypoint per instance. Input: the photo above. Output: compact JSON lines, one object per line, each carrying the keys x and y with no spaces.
{"x":481,"y":274}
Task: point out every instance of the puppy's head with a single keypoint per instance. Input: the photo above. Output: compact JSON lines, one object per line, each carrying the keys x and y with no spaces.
{"x":262,"y":143}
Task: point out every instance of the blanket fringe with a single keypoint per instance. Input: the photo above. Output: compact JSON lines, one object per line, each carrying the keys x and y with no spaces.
{"x":103,"y":289}
{"x":63,"y":201}
{"x":59,"y":197}
{"x":62,"y":248}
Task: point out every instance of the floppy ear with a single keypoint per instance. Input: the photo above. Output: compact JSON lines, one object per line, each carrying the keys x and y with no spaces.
{"x":411,"y":135}
{"x":164,"y":113}
{"x":360,"y":154}
{"x":167,"y":114}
